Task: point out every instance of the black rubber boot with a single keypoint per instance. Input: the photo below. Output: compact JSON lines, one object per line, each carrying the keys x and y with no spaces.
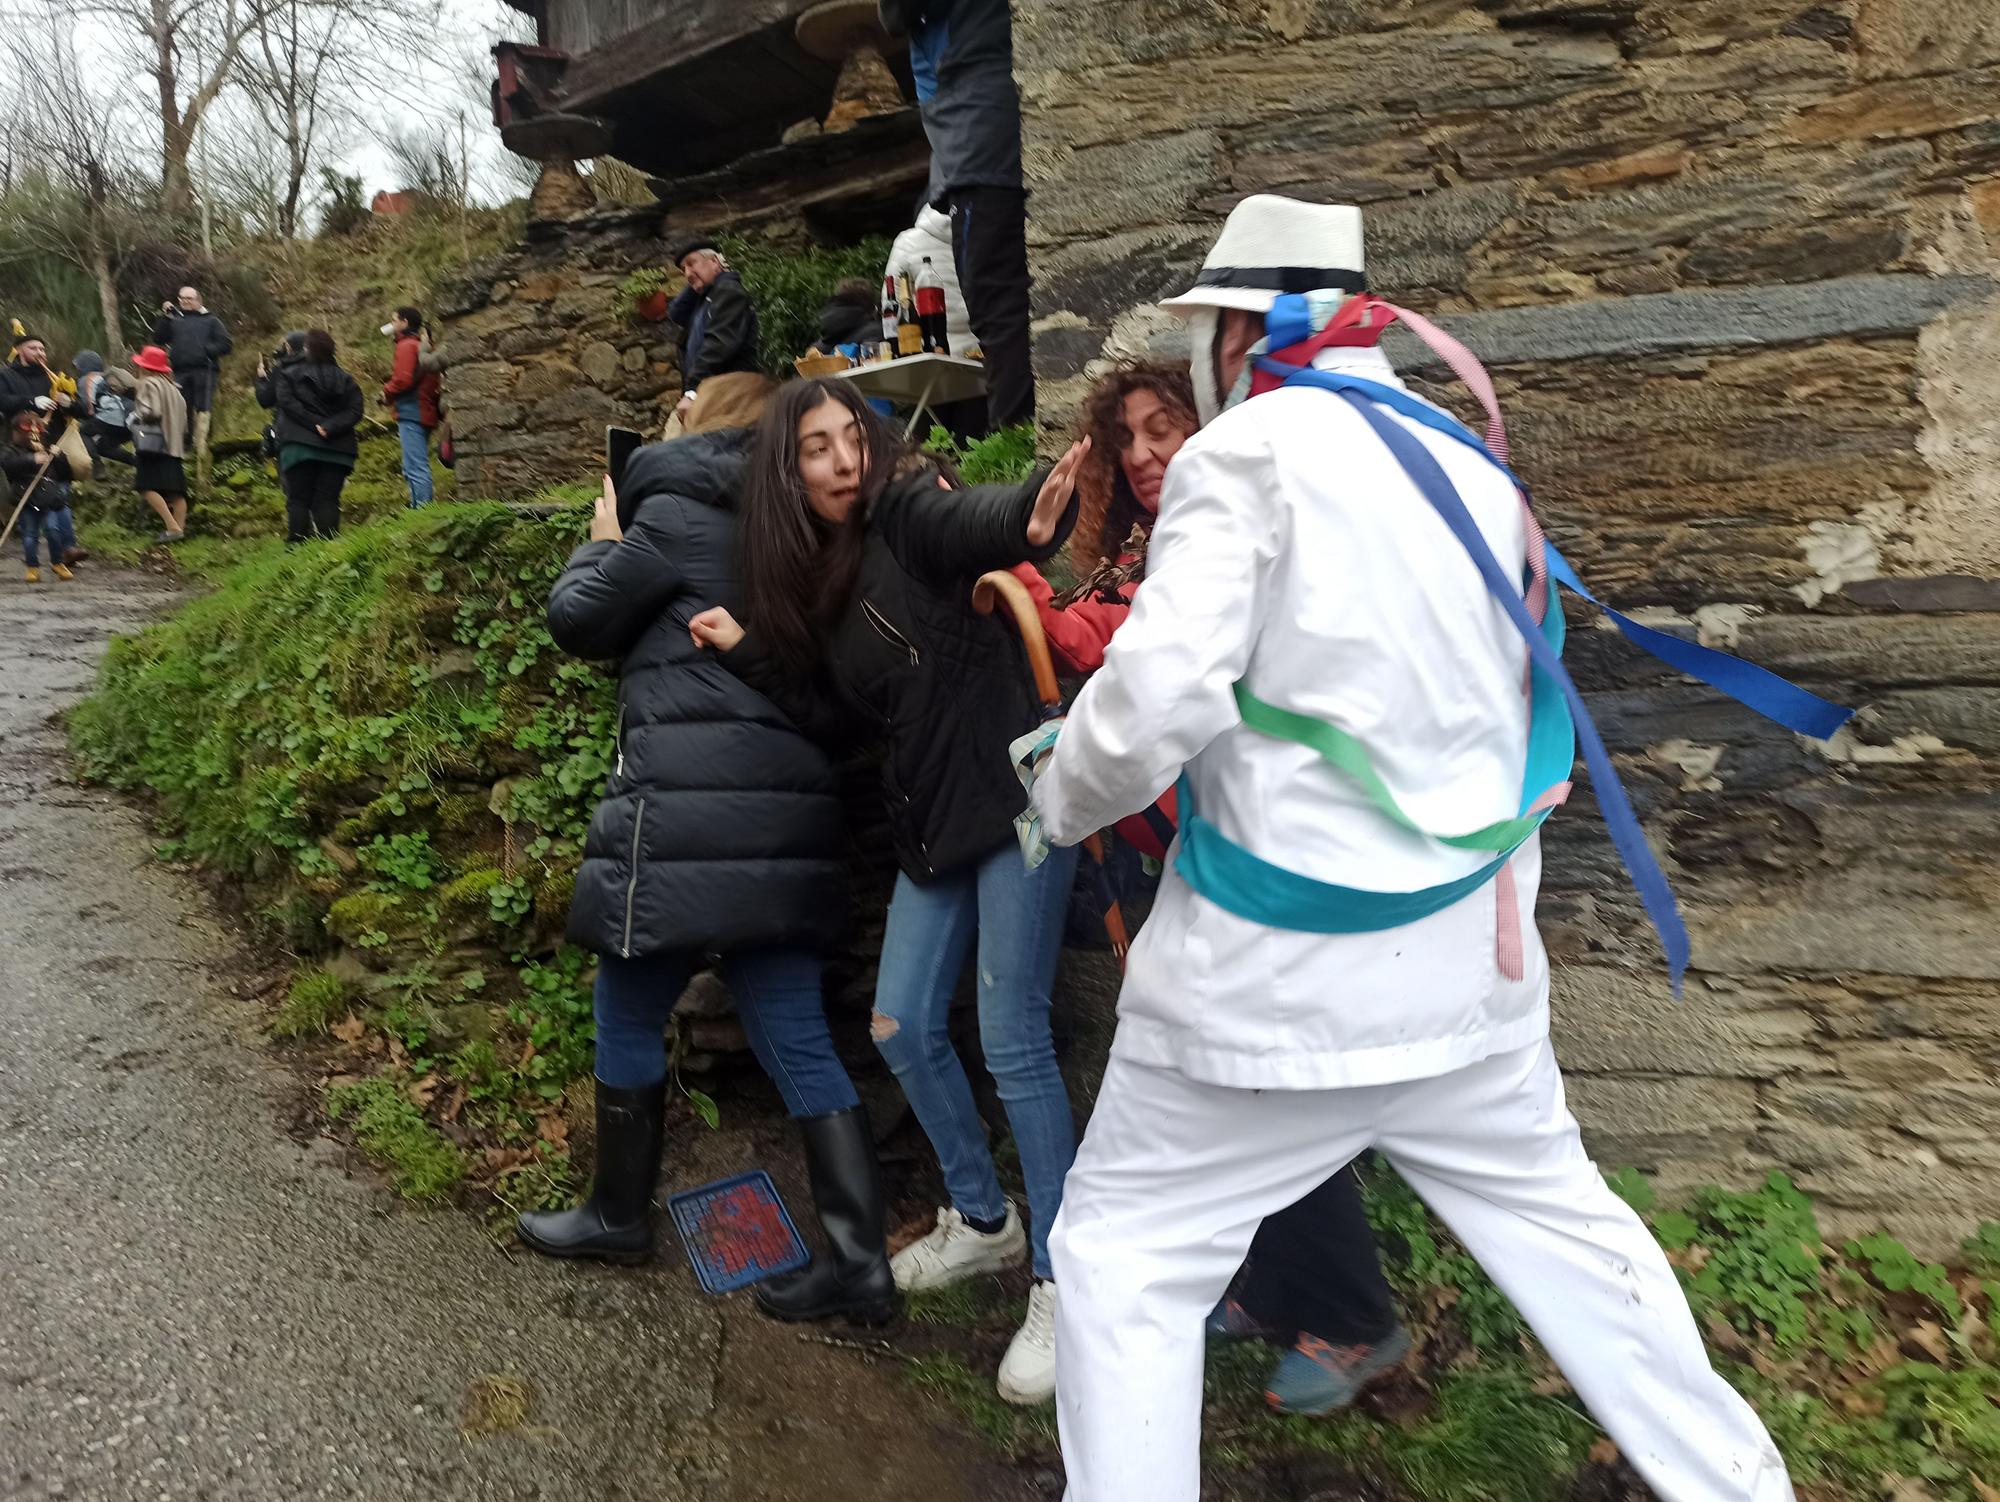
{"x":853,"y":1282}
{"x":616,"y":1222}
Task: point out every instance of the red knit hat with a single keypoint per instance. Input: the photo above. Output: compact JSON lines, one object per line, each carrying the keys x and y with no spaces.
{"x":153,"y":358}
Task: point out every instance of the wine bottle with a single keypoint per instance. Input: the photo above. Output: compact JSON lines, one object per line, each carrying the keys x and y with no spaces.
{"x":891,"y":313}
{"x":909,"y":332}
{"x":930,"y":309}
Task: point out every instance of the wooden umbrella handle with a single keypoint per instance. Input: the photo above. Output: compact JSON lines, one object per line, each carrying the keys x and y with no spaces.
{"x":1001,"y":587}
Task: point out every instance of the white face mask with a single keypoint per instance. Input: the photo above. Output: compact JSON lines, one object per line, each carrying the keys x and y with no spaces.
{"x":1204,"y":328}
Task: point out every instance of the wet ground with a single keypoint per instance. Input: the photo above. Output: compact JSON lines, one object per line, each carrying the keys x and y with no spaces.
{"x":197,"y":1303}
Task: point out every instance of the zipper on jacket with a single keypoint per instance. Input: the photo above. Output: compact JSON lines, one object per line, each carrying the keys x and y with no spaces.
{"x":632,"y":885}
{"x":886,"y":629}
{"x":618,"y":738}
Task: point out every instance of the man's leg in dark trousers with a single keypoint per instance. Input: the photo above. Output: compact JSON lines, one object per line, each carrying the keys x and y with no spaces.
{"x":1314,"y":1270}
{"x":298,"y":503}
{"x":989,"y":239}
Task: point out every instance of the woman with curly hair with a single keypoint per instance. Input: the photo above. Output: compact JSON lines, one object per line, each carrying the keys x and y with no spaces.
{"x":1313,"y":1285}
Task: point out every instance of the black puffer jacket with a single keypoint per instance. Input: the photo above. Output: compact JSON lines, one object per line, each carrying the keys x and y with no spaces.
{"x":909,"y":658}
{"x":306,"y":395}
{"x":721,"y":826}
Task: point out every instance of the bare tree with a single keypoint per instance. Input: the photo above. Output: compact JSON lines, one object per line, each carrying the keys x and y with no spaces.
{"x":71,"y":192}
{"x":193,"y":50}
{"x":294,"y":83}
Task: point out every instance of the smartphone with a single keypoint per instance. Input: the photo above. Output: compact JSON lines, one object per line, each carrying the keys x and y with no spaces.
{"x":618,"y":446}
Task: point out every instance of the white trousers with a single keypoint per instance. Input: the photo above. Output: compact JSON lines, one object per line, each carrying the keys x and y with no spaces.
{"x":1174,"y":1176}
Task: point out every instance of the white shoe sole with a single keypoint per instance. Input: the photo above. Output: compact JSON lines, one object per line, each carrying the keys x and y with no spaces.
{"x":1004,"y":1254}
{"x":1012,"y":1394}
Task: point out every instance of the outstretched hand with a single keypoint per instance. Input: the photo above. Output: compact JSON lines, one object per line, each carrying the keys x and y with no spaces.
{"x":716,"y":627}
{"x":1053,"y":498}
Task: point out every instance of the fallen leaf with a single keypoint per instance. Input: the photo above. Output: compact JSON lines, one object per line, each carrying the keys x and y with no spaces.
{"x":349,"y":1031}
{"x":398,"y":1055}
{"x":527,"y":1053}
{"x":1604,"y":1452}
{"x":454,"y":1105}
{"x":1691,"y":1259}
{"x":423,"y":1091}
{"x":1986,"y":1493}
{"x":1897,"y":1488}
{"x":1727,"y":1339}
{"x":1554,"y":1385}
{"x":1863,"y":1405}
{"x":554,"y":1131}
{"x":1925,"y":1341}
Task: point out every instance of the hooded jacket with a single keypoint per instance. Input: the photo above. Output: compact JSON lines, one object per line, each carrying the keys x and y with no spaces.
{"x":931,"y":236}
{"x":721,"y":826}
{"x":304,"y":396}
{"x":849,"y":320}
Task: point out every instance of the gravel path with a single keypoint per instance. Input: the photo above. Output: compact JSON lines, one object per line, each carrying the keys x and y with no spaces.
{"x":193,"y":1304}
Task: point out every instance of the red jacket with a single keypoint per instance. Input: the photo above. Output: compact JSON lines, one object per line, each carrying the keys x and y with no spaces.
{"x":408,"y":377}
{"x":1077,"y":639}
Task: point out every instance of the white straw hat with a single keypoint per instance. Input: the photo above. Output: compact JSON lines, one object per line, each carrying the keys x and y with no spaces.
{"x":1270,"y":246}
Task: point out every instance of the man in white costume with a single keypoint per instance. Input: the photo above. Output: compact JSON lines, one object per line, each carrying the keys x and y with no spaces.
{"x":1294,"y":556}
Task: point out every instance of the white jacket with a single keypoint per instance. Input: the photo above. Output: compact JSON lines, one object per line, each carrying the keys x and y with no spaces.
{"x":1293,"y":552}
{"x":931,"y":236}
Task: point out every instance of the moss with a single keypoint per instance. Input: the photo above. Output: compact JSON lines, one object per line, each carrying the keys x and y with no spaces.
{"x":316,"y":998}
{"x":461,"y":811}
{"x":467,"y":895}
{"x":553,"y":894}
{"x":422,"y":1164}
{"x":360,"y":916}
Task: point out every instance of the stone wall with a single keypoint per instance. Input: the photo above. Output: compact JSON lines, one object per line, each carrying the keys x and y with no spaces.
{"x":1733,"y":266}
{"x":542,"y":359}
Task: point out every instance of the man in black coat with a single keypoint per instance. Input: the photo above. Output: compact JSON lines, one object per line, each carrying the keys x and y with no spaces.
{"x":195,"y":341}
{"x":717,"y":321}
{"x":25,"y":381}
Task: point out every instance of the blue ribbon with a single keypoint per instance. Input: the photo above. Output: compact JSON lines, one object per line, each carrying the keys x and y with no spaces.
{"x":1755,"y":688}
{"x":1430,"y":479}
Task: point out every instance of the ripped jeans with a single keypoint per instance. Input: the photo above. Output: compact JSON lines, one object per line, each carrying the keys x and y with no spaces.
{"x":1016,"y":915}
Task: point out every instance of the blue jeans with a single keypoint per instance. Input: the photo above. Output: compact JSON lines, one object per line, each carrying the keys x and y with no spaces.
{"x":777,"y":997}
{"x":1017,"y":917}
{"x":57,"y":523}
{"x":416,"y":451}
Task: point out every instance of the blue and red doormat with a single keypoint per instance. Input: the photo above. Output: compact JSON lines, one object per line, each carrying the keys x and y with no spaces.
{"x":736,"y":1232}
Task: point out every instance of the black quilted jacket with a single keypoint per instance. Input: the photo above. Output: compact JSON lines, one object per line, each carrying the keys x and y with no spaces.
{"x":911,"y":661}
{"x":721,"y":827}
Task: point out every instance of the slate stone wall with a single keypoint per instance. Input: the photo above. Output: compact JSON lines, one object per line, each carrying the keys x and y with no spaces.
{"x":1733,"y":265}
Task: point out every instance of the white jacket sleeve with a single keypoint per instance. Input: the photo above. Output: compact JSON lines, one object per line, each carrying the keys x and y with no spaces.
{"x":1167,"y":687}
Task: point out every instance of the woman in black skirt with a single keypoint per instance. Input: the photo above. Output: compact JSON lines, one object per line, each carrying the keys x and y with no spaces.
{"x":159,"y":437}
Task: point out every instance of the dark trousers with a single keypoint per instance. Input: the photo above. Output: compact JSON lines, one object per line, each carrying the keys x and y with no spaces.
{"x":312,"y":499}
{"x":989,"y":245}
{"x":1313,"y":1269}
{"x":107,"y":442}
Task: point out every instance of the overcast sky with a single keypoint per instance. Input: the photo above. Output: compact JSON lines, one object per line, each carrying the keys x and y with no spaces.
{"x":436,"y":87}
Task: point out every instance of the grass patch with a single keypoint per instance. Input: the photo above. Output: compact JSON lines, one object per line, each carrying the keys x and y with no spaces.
{"x":957,"y":1304}
{"x":421,"y":1164}
{"x":1016,"y":1433}
{"x":314,"y":1001}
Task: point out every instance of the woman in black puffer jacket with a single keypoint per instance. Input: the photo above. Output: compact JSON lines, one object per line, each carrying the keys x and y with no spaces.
{"x":316,"y":407}
{"x":720,"y":831}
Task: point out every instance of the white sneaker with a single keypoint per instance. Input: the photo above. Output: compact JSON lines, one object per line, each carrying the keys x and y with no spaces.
{"x":1028,"y":1372}
{"x":955,"y":1251}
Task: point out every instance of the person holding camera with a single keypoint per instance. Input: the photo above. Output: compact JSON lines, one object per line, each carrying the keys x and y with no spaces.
{"x":195,"y":341}
{"x":315,"y":408}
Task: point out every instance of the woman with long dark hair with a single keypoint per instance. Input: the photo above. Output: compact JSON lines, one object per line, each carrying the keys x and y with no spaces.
{"x":720,"y":832}
{"x":859,"y":564}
